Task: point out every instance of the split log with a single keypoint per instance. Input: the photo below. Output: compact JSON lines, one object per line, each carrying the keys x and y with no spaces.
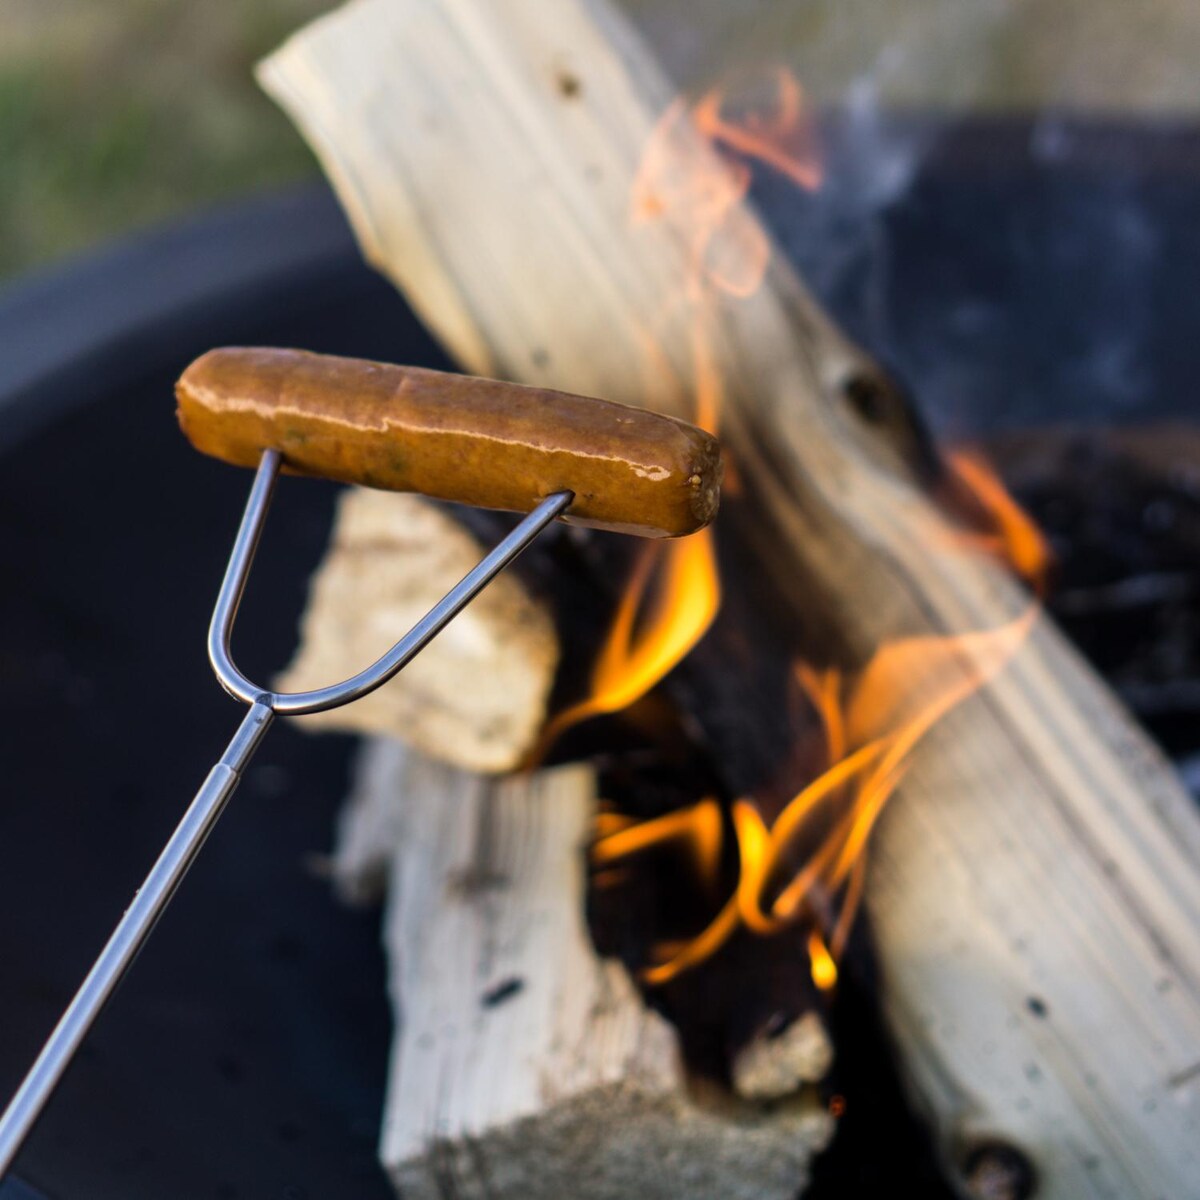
{"x":1035,"y":886}
{"x":477,"y":695}
{"x":523,"y":1064}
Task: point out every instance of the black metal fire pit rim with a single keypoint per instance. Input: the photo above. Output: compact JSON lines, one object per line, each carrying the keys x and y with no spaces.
{"x":67,"y":324}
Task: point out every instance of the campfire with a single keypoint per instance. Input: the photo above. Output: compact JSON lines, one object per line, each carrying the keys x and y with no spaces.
{"x":648,"y":812}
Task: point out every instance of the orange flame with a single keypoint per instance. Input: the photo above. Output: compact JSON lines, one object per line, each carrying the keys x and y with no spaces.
{"x":674,"y":593}
{"x":699,"y":827}
{"x":780,"y":134}
{"x":871,"y":722}
{"x":694,"y":175}
{"x":1014,"y":537}
{"x":824,"y":969}
{"x":649,"y":636}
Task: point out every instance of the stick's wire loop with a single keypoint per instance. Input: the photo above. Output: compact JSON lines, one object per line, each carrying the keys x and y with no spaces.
{"x":379,"y":672}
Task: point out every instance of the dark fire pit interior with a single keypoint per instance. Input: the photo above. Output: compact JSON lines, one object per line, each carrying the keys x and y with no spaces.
{"x":1044,"y":270}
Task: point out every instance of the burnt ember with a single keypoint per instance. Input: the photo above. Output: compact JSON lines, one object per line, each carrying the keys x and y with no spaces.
{"x":748,"y":986}
{"x":1121,"y":508}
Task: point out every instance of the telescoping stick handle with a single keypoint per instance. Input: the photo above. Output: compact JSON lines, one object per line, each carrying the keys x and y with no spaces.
{"x":130,"y":934}
{"x":202,"y":814}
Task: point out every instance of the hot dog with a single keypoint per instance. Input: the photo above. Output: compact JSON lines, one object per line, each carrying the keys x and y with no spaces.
{"x":452,"y":437}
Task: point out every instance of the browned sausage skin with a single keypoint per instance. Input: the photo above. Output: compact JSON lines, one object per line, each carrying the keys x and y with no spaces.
{"x":476,"y":441}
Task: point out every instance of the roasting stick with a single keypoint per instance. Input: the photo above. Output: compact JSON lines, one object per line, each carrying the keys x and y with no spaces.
{"x":308,"y":390}
{"x":202,"y":814}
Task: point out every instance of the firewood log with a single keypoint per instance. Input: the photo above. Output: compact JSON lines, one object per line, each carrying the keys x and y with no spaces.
{"x":523,"y":1064}
{"x":477,"y":695}
{"x":1034,"y":885}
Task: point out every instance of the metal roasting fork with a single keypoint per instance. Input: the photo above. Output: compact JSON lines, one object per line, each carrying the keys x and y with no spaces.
{"x":190,"y":834}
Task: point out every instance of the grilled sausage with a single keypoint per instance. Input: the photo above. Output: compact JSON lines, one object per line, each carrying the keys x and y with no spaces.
{"x":476,"y":441}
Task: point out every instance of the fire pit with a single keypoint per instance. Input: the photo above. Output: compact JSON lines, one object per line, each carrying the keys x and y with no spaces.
{"x":293,"y":1040}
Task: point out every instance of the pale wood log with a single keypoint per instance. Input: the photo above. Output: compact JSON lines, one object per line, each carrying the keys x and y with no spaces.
{"x":476,"y":696}
{"x":524,"y":1065}
{"x":771,"y":1066}
{"x":1035,"y":886}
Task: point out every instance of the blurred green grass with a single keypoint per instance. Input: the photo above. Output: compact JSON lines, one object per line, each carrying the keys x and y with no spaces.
{"x":115,"y":114}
